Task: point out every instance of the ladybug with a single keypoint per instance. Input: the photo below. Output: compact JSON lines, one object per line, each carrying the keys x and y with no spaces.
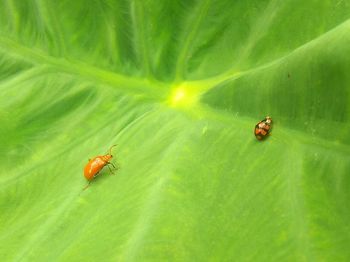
{"x":95,"y":165}
{"x":263,"y":128}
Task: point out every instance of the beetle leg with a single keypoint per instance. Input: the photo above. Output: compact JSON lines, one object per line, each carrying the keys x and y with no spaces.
{"x":87,"y":186}
{"x":110,"y":170}
{"x":96,"y":174}
{"x":110,"y":163}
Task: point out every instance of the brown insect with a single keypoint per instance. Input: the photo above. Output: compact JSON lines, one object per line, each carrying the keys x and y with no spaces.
{"x":263,"y":128}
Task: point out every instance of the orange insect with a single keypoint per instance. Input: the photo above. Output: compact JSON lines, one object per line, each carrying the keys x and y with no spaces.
{"x":263,"y":128}
{"x":95,"y":165}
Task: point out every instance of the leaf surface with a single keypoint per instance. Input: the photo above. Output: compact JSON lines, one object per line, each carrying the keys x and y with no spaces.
{"x":179,"y":87}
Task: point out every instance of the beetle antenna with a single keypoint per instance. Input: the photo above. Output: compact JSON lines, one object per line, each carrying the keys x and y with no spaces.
{"x":110,"y":149}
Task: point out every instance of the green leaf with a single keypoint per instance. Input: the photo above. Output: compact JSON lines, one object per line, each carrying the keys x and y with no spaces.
{"x":179,"y":87}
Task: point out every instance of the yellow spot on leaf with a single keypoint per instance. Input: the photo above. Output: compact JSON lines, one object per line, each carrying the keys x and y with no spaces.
{"x":183,"y":95}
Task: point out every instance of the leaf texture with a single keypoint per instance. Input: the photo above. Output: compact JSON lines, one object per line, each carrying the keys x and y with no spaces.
{"x":179,"y":87}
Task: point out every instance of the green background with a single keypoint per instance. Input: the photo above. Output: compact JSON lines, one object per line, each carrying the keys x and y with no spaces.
{"x":179,"y":87}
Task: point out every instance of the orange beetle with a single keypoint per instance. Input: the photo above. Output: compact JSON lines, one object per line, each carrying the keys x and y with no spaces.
{"x":95,"y":165}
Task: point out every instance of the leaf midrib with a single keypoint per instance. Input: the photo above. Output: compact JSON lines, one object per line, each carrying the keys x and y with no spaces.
{"x":144,"y":85}
{"x":153,"y":88}
{"x":71,"y":66}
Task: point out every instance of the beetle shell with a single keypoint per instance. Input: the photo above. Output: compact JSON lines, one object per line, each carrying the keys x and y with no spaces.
{"x":263,"y":128}
{"x":95,"y":165}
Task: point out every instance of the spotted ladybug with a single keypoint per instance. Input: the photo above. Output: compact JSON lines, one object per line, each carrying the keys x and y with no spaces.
{"x":263,"y":128}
